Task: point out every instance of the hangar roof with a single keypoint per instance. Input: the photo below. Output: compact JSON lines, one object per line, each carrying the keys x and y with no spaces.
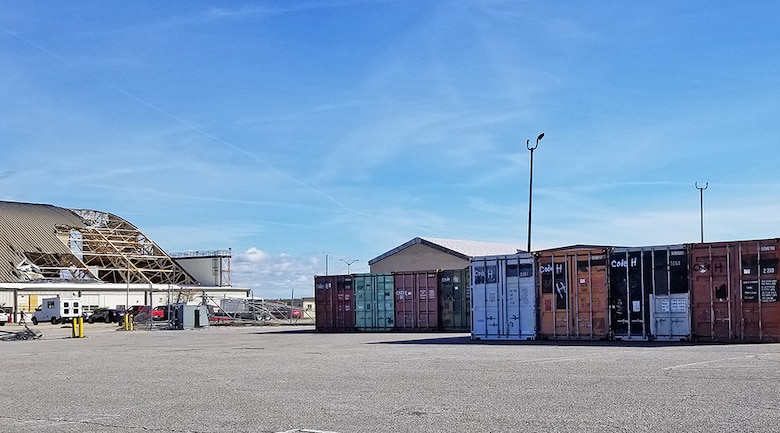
{"x":460,"y":248}
{"x":41,"y":242}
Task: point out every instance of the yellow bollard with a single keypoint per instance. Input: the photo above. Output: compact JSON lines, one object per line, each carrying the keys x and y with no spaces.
{"x":74,"y":333}
{"x":81,"y":327}
{"x":124,"y":321}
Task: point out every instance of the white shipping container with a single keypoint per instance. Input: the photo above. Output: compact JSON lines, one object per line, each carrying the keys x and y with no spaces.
{"x":503,"y":301}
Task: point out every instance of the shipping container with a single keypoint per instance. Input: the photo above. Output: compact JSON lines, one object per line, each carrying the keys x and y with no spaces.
{"x":454,"y":300}
{"x":335,"y":303}
{"x":734,"y":290}
{"x":649,"y":296}
{"x":572,"y":289}
{"x":416,"y":301}
{"x":503,"y":297}
{"x":374,"y":302}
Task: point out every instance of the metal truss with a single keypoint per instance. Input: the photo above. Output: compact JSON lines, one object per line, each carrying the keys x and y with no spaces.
{"x":115,"y":251}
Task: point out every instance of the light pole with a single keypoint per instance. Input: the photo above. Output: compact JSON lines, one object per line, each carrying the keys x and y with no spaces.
{"x":349,"y":263}
{"x":531,"y":183}
{"x":326,"y":261}
{"x":701,"y":206}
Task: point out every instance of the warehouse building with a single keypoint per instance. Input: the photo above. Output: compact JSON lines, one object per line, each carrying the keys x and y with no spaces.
{"x":48,"y":251}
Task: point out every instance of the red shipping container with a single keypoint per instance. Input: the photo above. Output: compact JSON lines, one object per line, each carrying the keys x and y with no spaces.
{"x":334,"y":298}
{"x":734,"y":290}
{"x":416,"y":301}
{"x":572,"y":293}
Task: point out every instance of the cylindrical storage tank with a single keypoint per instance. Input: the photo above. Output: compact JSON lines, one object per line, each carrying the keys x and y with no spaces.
{"x":734,"y":291}
{"x":416,"y":303}
{"x":374,"y":302}
{"x":455,"y":300}
{"x":334,"y":298}
{"x":572,"y":289}
{"x":503,"y":297}
{"x":649,"y":295}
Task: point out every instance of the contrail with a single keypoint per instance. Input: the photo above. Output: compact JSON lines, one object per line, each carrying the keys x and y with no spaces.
{"x":189,"y":125}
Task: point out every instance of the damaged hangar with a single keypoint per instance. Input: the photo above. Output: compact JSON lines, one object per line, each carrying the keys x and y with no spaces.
{"x":47,"y":251}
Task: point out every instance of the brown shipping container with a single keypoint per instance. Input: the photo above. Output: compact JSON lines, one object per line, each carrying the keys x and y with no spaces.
{"x":572,"y":287}
{"x":335,"y":303}
{"x":735,"y":290}
{"x":416,"y":302}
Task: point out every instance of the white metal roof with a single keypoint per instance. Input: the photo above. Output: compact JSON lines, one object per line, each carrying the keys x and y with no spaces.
{"x":461,"y":248}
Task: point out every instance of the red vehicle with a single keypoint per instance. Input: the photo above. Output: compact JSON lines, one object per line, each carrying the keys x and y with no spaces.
{"x":145,"y":311}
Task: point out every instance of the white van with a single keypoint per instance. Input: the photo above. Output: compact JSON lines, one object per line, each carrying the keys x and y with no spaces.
{"x":56,"y":310}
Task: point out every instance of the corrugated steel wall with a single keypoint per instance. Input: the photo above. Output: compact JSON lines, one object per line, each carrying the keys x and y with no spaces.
{"x":572,"y":290}
{"x":503,"y":297}
{"x":734,"y":290}
{"x":335,"y":303}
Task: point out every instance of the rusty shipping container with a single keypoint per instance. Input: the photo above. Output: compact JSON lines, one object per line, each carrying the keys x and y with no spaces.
{"x":503,"y":297}
{"x":335,"y":303}
{"x":734,"y":287}
{"x":374,"y":302}
{"x":572,"y":289}
{"x":649,"y":295}
{"x":454,"y":300}
{"x":416,"y":301}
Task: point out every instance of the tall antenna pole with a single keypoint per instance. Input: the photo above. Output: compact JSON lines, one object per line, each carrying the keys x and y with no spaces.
{"x":701,"y":206}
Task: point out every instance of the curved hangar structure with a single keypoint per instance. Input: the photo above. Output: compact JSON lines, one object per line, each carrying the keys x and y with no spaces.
{"x":47,"y":243}
{"x":48,"y":251}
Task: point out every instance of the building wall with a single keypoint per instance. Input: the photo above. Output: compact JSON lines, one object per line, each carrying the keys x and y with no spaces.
{"x":207,"y":270}
{"x":26,"y":298}
{"x":418,"y":257}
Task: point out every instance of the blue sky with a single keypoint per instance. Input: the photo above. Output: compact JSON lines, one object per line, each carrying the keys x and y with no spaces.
{"x":287,"y":129}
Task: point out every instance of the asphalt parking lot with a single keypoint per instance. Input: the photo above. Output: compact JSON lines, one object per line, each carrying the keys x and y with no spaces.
{"x":292,"y":379}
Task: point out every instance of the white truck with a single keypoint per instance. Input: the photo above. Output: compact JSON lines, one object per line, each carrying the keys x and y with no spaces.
{"x":56,"y":310}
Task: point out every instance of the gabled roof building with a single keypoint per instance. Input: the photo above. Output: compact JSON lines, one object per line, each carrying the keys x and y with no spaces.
{"x":424,"y":254}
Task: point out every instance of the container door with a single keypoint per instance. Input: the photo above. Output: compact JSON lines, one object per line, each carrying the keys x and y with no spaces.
{"x":345,"y":314}
{"x":712,"y":292}
{"x":590,"y":295}
{"x":427,"y":301}
{"x":665,"y":276}
{"x":364,"y":303}
{"x":626,"y":295}
{"x":385,"y":301}
{"x":554,"y":282}
{"x":324,"y":303}
{"x":405,"y":301}
{"x":520,"y":305}
{"x":759,"y":311}
{"x":454,"y":305}
{"x":485,"y":300}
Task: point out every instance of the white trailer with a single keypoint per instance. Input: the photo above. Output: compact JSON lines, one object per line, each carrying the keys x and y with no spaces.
{"x":56,"y":310}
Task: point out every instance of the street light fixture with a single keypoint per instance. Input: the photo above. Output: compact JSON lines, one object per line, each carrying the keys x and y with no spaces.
{"x":531,"y":183}
{"x":701,"y":205}
{"x":349,"y":263}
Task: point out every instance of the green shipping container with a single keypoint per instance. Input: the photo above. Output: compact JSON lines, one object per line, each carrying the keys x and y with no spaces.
{"x":455,"y":300}
{"x":374,"y":302}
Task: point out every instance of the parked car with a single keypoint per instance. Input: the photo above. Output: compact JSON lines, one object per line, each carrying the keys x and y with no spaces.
{"x":3,"y":317}
{"x":142,"y":313}
{"x":107,"y":315}
{"x":162,"y":312}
